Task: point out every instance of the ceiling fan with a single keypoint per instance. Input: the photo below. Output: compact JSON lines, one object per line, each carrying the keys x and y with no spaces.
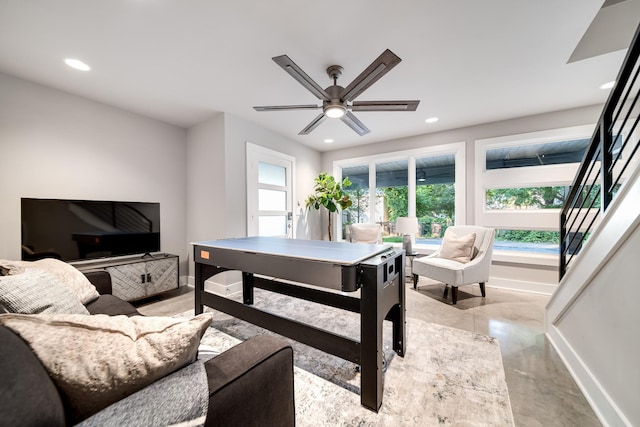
{"x":337,"y":101}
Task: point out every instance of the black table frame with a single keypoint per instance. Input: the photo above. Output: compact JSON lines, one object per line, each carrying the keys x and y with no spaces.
{"x":380,"y":278}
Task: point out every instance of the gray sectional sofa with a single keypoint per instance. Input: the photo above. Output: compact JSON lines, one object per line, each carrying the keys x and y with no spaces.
{"x":249,"y":384}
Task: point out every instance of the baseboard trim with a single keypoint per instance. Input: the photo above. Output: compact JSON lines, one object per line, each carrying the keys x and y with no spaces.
{"x":603,"y":406}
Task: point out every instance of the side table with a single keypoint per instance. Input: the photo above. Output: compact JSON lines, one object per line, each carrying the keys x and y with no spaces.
{"x":412,"y":256}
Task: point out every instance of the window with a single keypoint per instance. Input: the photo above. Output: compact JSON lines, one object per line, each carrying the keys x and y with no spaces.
{"x":550,"y":153}
{"x":521,"y":185}
{"x":358,"y":191}
{"x":526,"y":198}
{"x":435,"y":195}
{"x":426,"y":183}
{"x":392,"y":195}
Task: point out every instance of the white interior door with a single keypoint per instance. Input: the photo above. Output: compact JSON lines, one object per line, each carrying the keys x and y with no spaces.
{"x":269,"y":192}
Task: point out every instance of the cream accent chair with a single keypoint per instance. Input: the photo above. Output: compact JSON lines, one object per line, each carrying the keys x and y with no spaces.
{"x":453,"y":273}
{"x":365,"y":233}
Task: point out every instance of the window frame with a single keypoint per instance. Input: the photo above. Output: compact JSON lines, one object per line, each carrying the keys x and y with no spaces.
{"x":527,"y":176}
{"x":458,"y":149}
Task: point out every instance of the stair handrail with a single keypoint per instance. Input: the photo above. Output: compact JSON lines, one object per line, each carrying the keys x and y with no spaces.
{"x":581,"y":201}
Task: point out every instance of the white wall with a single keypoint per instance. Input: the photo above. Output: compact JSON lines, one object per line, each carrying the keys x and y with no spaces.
{"x":217,"y":187}
{"x":307,"y":167}
{"x":514,"y":272}
{"x":592,"y":320}
{"x":206,"y":168}
{"x":57,"y":145}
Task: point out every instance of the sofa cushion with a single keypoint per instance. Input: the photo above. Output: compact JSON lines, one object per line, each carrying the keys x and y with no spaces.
{"x":29,"y":397}
{"x":112,"y":306}
{"x":180,"y":398}
{"x":67,"y":274}
{"x":458,"y":248}
{"x":106,"y":358}
{"x":35,"y":291}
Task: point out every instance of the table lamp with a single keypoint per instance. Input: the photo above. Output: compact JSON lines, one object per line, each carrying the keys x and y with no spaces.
{"x":408,"y":227}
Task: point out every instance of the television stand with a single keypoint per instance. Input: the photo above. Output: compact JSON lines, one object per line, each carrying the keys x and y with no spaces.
{"x":134,"y":277}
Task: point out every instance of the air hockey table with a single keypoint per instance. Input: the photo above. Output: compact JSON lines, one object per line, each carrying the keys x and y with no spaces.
{"x":376,"y":270}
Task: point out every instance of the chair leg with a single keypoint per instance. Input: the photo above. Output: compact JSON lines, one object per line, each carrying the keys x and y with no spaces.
{"x":482,"y":290}
{"x":454,"y":294}
{"x":446,"y":291}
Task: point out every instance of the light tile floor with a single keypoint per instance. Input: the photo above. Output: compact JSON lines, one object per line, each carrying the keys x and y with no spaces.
{"x":541,"y":390}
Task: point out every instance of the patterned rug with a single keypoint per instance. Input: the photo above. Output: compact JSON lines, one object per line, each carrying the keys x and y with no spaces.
{"x":447,"y":377}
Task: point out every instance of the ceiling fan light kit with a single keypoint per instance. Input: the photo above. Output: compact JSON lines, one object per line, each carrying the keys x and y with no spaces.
{"x":335,"y":111}
{"x":338,"y":102}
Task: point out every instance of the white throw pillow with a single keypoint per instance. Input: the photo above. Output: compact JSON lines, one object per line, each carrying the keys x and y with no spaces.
{"x":458,"y":248}
{"x":365,"y":233}
{"x":97,"y":360}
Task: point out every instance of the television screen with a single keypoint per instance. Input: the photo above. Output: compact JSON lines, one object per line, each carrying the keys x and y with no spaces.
{"x":85,"y":229}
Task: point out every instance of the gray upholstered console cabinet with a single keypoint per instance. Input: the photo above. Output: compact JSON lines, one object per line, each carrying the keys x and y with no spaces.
{"x":137,"y":276}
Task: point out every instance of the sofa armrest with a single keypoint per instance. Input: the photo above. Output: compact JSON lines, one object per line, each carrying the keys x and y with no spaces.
{"x":101,"y":280}
{"x":251,"y":384}
{"x":107,"y":303}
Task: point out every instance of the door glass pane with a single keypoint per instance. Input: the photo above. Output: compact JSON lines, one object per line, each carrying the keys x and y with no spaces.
{"x":272,"y":174}
{"x":272,"y":200}
{"x":272,"y":225}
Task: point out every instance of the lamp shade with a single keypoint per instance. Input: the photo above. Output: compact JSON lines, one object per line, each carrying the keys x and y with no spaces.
{"x":407,"y":225}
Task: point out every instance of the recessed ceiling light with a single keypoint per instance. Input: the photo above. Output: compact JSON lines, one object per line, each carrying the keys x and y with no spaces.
{"x":608,"y":85}
{"x":432,"y":120}
{"x":328,"y":140}
{"x":77,"y":64}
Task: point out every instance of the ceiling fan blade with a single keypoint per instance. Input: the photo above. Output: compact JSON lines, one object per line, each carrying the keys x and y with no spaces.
{"x":378,"y":68}
{"x":296,"y":72}
{"x":314,"y":124}
{"x":287,"y":107}
{"x":384,"y":105}
{"x":355,"y":124}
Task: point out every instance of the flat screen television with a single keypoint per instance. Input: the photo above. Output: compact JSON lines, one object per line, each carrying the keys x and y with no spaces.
{"x":74,"y":230}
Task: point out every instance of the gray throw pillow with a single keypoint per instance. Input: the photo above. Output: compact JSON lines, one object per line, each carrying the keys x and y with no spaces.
{"x":68,"y":275}
{"x":36,"y":291}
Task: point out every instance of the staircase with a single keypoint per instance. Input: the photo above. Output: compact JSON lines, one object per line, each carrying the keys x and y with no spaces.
{"x":593,"y":319}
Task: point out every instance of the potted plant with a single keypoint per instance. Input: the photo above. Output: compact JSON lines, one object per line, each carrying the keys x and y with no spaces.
{"x":329,"y":193}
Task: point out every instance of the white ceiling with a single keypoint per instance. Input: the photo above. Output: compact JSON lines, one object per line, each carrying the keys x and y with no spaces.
{"x":467,"y":61}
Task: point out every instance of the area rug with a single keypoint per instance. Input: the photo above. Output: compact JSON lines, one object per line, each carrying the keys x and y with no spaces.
{"x":447,"y":377}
